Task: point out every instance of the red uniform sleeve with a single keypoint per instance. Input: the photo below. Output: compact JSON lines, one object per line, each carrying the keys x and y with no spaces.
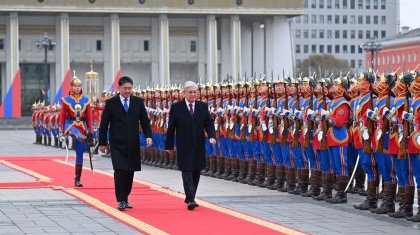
{"x":341,"y":115}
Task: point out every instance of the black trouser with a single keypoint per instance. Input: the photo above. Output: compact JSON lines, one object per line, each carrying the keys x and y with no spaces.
{"x":190,"y":180}
{"x":123,"y":181}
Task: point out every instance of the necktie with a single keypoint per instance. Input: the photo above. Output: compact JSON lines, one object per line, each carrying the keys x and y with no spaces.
{"x":191,"y":110}
{"x":126,"y":105}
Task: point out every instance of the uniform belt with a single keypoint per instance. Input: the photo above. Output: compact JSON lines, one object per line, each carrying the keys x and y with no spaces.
{"x":77,"y":119}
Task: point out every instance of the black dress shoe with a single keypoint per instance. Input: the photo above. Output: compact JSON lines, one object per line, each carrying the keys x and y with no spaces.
{"x":191,"y":206}
{"x":121,"y":205}
{"x":128,"y":205}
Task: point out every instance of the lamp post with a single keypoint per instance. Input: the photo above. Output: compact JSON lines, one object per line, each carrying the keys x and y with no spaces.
{"x":48,"y":45}
{"x":372,"y":46}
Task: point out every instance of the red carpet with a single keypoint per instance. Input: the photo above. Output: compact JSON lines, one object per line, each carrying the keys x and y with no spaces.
{"x":156,"y":210}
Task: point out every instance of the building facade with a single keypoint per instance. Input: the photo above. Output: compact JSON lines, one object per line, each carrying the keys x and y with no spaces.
{"x":400,"y":51}
{"x":341,"y":27}
{"x":154,"y":42}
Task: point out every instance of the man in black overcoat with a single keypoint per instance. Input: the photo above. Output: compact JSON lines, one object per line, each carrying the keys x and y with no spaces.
{"x":189,"y":119}
{"x":122,"y":114}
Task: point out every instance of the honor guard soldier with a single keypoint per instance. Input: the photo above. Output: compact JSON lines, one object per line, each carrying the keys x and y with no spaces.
{"x":362,"y":138}
{"x":413,"y":117}
{"x":76,"y":120}
{"x":397,"y":145}
{"x":380,"y":143}
{"x":337,"y":137}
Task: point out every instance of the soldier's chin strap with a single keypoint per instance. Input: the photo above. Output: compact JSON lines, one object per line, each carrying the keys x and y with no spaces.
{"x":353,"y":173}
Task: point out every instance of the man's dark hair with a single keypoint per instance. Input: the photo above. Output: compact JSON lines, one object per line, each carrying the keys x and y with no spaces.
{"x":123,"y":80}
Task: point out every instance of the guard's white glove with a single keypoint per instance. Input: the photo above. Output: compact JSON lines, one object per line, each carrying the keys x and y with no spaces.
{"x":324,"y":113}
{"x":277,"y":112}
{"x":62,"y":139}
{"x":365,"y":133}
{"x":246,"y":111}
{"x":310,"y":112}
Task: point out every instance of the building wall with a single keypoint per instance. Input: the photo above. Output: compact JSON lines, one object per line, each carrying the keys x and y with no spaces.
{"x":333,"y":27}
{"x":405,"y":56}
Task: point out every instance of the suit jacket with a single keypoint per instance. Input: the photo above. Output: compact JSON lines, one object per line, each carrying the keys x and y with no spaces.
{"x":124,"y":132}
{"x":190,"y":137}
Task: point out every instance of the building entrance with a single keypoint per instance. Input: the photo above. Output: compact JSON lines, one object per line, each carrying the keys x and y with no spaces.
{"x":35,"y":85}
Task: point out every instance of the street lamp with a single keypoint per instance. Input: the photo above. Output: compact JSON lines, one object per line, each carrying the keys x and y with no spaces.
{"x":48,"y":45}
{"x":372,"y":47}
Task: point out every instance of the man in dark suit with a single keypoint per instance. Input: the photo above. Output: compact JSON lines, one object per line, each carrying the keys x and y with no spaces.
{"x":189,"y":119}
{"x":122,"y":114}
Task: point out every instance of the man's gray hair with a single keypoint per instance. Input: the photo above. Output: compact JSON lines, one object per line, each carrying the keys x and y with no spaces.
{"x":190,"y":84}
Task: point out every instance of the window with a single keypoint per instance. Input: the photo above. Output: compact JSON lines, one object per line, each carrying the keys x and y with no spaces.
{"x":329,"y":4}
{"x":393,"y":59}
{"x":383,"y":34}
{"x":352,"y":19}
{"x":329,"y":34}
{"x":409,"y":58}
{"x":19,"y":44}
{"x":297,"y":48}
{"x":344,"y":4}
{"x":321,"y":19}
{"x":383,"y":19}
{"x":337,"y":48}
{"x":398,"y":59}
{"x":313,"y":49}
{"x":415,"y":57}
{"x":1,"y":44}
{"x":360,"y":32}
{"x":321,"y":48}
{"x":313,"y":33}
{"x":367,"y":4}
{"x":297,"y":19}
{"x":313,"y":4}
{"x":375,"y":4}
{"x":352,"y":34}
{"x":344,"y":19}
{"x":360,"y":63}
{"x":352,"y":64}
{"x":353,"y":49}
{"x":305,"y":48}
{"x":360,"y":19}
{"x":360,"y":50}
{"x":367,"y":34}
{"x":305,"y":4}
{"x":337,"y":19}
{"x":344,"y":34}
{"x":329,"y":49}
{"x":375,"y":19}
{"x":360,"y":4}
{"x":352,"y":4}
{"x":98,"y":45}
{"x":367,"y":19}
{"x":146,"y":45}
{"x":305,"y":33}
{"x":193,"y":46}
{"x":297,"y":33}
{"x":383,"y":5}
{"x":329,"y":19}
{"x":337,"y":34}
{"x":321,"y":4}
{"x":345,"y":49}
{"x":305,"y":19}
{"x":337,"y":4}
{"x":321,"y":33}
{"x":313,"y":19}
{"x":375,"y":34}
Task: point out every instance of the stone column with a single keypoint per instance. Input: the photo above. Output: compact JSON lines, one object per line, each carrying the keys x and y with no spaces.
{"x":212,"y":71}
{"x":12,"y":49}
{"x":235,"y":30}
{"x":62,"y":60}
{"x":164,"y":73}
{"x":112,"y":64}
